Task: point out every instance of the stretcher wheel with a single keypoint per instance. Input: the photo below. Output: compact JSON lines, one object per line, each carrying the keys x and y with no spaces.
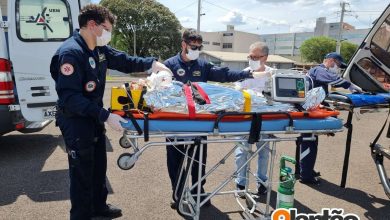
{"x":251,"y":206}
{"x":124,"y":142}
{"x":125,"y":161}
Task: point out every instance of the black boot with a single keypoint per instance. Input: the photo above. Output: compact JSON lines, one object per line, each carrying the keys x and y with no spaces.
{"x":109,"y":211}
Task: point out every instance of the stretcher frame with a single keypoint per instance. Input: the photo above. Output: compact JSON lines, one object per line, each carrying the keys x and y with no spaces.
{"x":187,"y":205}
{"x":378,"y":152}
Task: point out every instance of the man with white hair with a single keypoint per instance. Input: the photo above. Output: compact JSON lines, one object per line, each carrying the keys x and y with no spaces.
{"x":258,"y":54}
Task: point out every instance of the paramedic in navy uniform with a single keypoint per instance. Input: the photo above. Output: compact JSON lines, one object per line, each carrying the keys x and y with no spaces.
{"x":186,"y":66}
{"x":322,"y":75}
{"x":79,"y":69}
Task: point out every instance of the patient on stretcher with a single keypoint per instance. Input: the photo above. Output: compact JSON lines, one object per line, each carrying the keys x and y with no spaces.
{"x":172,"y":98}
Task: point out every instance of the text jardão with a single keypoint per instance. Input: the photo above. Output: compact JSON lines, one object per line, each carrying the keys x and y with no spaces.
{"x":326,"y":214}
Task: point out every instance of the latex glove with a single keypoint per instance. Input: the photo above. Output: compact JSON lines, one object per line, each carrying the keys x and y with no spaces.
{"x":159,"y":67}
{"x":114,"y":121}
{"x":162,"y":79}
{"x":354,"y":88}
{"x":264,"y":74}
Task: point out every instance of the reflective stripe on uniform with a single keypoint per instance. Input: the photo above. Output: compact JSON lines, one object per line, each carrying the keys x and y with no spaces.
{"x":305,"y":153}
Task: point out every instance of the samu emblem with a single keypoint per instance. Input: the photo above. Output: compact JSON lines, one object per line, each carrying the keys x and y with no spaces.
{"x":181,"y":72}
{"x":90,"y":86}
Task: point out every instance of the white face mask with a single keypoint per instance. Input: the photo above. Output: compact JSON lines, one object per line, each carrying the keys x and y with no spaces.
{"x":334,"y":69}
{"x":254,"y":65}
{"x":193,"y":54}
{"x":104,"y":39}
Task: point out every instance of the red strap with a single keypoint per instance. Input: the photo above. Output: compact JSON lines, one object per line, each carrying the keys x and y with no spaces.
{"x":190,"y":101}
{"x":202,"y":92}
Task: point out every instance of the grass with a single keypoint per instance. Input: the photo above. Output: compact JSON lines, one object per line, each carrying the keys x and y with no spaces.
{"x":108,"y":78}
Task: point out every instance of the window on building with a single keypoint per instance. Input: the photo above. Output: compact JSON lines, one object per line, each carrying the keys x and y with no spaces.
{"x":227,"y":45}
{"x":380,"y":45}
{"x":44,"y":20}
{"x":284,"y":47}
{"x":216,"y":44}
{"x":302,"y":38}
{"x":227,"y":34}
{"x":206,"y":42}
{"x":354,"y":36}
{"x":268,"y":39}
{"x":284,"y":38}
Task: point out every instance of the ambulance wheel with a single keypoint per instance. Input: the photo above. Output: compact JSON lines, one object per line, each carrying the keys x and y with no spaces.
{"x":125,"y":161}
{"x":124,"y":142}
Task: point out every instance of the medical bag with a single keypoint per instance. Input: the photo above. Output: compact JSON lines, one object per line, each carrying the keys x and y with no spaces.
{"x":128,"y":97}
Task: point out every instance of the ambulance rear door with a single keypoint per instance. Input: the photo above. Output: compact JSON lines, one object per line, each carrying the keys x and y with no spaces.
{"x":370,"y":66}
{"x":36,"y":28}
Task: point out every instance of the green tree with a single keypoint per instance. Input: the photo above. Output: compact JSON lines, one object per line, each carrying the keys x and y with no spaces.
{"x":315,"y":49}
{"x":157,"y":30}
{"x":347,"y":50}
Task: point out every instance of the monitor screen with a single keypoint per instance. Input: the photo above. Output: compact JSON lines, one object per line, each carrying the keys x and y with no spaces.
{"x":287,"y":83}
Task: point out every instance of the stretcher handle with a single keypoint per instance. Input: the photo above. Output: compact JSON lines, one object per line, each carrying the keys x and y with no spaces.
{"x":290,"y":119}
{"x":253,"y":114}
{"x":335,"y":96}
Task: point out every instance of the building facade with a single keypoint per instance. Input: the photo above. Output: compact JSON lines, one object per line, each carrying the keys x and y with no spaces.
{"x":239,"y":61}
{"x":229,"y":40}
{"x":285,"y":44}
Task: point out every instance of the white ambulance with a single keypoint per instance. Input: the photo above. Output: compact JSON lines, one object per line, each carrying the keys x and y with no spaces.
{"x":30,"y":33}
{"x":370,"y":66}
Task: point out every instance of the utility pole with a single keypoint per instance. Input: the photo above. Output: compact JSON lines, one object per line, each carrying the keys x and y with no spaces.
{"x":198,"y":25}
{"x":132,"y":26}
{"x":338,"y":43}
{"x":134,"y":43}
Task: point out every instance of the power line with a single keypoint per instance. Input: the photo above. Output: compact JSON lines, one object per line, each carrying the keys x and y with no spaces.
{"x":337,"y":13}
{"x":368,"y":11}
{"x":185,"y":7}
{"x":253,"y":18}
{"x":229,"y":10}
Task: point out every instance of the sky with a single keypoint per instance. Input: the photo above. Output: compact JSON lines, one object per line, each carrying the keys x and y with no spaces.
{"x":272,"y":16}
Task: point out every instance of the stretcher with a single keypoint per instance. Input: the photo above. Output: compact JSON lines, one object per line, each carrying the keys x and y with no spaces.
{"x":365,"y":103}
{"x":229,"y":128}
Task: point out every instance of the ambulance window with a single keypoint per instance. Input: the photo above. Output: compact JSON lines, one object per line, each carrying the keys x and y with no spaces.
{"x":380,"y":45}
{"x":375,"y":72}
{"x":43,"y":20}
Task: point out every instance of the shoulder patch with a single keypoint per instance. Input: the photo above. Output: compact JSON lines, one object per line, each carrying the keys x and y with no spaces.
{"x":90,"y":86}
{"x":67,"y":69}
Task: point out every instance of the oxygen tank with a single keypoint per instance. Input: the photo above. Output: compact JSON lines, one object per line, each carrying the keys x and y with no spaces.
{"x":285,"y":195}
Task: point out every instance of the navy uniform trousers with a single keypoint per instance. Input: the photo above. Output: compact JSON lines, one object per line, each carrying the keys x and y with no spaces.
{"x":175,"y":157}
{"x":308,"y":156}
{"x":85,"y":142}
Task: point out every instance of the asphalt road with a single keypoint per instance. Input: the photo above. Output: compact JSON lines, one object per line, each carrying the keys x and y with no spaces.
{"x":34,"y":181}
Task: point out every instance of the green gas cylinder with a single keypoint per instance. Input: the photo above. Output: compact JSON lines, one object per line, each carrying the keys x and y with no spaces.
{"x":285,"y":196}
